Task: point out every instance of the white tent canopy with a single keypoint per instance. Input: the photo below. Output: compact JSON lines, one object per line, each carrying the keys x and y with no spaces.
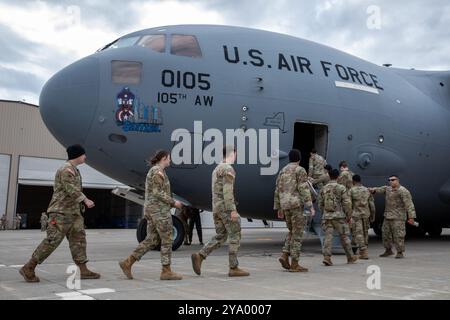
{"x":41,"y":172}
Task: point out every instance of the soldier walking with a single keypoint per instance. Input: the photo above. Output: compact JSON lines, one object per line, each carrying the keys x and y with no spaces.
{"x":399,"y":207}
{"x":157,"y":205}
{"x":336,"y":208}
{"x":363,"y":213}
{"x":292,"y":196}
{"x":226,"y":218}
{"x":66,"y":220}
{"x":317,"y":170}
{"x":345,"y":177}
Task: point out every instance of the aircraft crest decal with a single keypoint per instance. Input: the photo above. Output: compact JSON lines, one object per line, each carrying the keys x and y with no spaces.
{"x":133,"y":115}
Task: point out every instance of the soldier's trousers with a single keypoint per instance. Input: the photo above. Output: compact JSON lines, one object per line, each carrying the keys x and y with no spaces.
{"x":394,"y":233}
{"x":159,"y":231}
{"x":328,"y":227}
{"x":59,"y":226}
{"x":225,"y":227}
{"x":295,"y":222}
{"x":360,"y":233}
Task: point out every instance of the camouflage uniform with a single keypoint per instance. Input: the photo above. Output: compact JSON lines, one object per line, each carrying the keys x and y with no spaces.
{"x":65,"y":219}
{"x":17,"y":222}
{"x":158,"y":202}
{"x":316,"y":169}
{"x":336,"y":207}
{"x":223,"y":203}
{"x":398,"y":206}
{"x":3,"y":223}
{"x":44,"y":221}
{"x":346,"y":179}
{"x":363,"y":207}
{"x":291,"y":196}
{"x":321,"y":181}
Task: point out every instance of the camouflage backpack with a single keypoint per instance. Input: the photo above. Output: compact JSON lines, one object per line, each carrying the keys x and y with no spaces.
{"x":331,"y":202}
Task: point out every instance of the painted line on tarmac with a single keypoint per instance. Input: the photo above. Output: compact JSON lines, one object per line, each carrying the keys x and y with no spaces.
{"x":83,"y":294}
{"x":97,"y":291}
{"x":73,"y":295}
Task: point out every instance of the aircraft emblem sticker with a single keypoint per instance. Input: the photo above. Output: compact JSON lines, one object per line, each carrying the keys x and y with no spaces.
{"x":133,"y":115}
{"x":276,"y":121}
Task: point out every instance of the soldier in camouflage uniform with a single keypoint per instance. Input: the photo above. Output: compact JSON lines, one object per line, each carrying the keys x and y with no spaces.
{"x":363,"y":207}
{"x":292,"y":196}
{"x":65,"y":211}
{"x":157,"y":205}
{"x":398,"y":207}
{"x":3,"y":222}
{"x":17,"y":222}
{"x":317,"y":170}
{"x":322,"y":179}
{"x":44,"y":221}
{"x":336,"y":208}
{"x":226,"y":219}
{"x":345,"y":177}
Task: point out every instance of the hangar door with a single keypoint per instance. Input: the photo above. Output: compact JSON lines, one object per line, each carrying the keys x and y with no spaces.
{"x":35,"y":188}
{"x":5,"y":162}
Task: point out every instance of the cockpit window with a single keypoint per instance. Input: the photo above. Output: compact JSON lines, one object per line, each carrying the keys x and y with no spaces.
{"x":126,"y":72}
{"x":187,"y":46}
{"x":122,"y":43}
{"x":156,"y":42}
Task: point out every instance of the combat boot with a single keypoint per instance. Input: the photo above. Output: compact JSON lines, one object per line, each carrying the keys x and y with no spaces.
{"x":284,"y":260}
{"x":295,"y":267}
{"x":126,"y":264}
{"x":327,"y":261}
{"x":364,"y":254}
{"x":352,"y":259}
{"x":399,"y":255}
{"x":168,"y":274}
{"x":197,"y":260}
{"x":85,"y":273}
{"x":27,"y":271}
{"x":387,"y":253}
{"x":236,"y":272}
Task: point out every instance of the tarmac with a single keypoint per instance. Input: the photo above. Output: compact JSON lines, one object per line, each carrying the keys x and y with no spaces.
{"x":423,"y":274}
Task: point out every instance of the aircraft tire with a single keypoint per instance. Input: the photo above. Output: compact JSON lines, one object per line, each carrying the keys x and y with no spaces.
{"x":178,"y":232}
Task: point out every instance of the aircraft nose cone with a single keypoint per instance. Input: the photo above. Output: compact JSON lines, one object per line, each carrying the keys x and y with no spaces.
{"x":69,"y":100}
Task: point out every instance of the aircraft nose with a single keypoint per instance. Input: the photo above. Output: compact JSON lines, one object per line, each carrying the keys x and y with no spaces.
{"x":68,"y":101}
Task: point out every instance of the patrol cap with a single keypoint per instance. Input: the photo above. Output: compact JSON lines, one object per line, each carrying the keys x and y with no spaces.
{"x":75,"y":151}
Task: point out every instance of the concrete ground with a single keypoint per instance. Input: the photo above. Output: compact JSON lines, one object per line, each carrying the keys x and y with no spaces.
{"x":423,"y":274}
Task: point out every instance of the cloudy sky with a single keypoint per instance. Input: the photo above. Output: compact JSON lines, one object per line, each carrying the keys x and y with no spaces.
{"x":38,"y":38}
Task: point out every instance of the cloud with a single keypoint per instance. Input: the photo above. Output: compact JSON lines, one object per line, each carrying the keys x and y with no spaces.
{"x":13,"y":79}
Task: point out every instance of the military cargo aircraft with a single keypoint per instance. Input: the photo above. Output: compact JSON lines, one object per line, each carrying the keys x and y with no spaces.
{"x":126,"y":100}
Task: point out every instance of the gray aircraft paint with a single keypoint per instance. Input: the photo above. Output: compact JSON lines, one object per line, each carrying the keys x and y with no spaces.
{"x":281,"y":80}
